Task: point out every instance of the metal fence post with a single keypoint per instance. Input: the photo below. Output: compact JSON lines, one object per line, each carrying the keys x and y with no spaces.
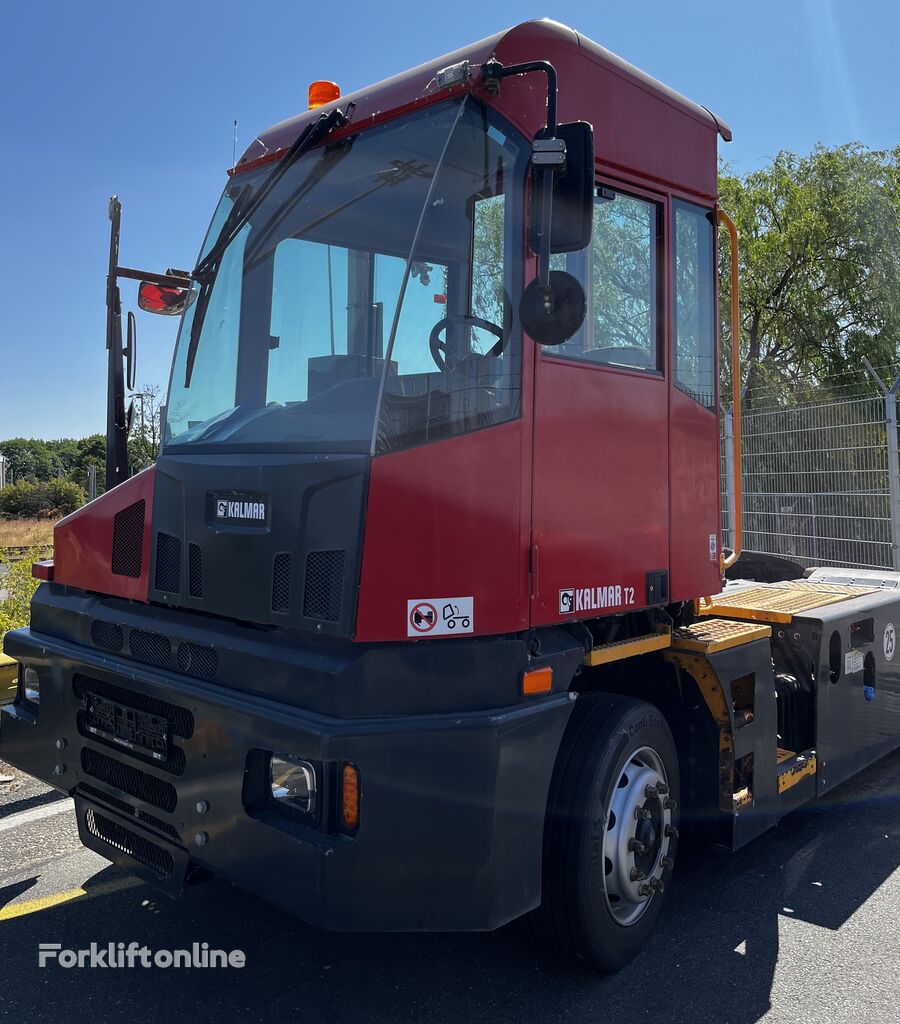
{"x":893,"y":457}
{"x":728,"y":426}
{"x":2,"y":471}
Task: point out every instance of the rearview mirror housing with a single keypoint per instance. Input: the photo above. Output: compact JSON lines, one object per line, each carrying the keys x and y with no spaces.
{"x":161,"y":299}
{"x":573,"y":191}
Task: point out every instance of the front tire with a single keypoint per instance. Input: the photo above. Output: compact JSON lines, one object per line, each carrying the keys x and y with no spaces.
{"x":612,"y":829}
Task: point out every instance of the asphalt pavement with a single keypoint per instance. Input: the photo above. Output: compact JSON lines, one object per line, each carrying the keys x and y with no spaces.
{"x":801,"y":926}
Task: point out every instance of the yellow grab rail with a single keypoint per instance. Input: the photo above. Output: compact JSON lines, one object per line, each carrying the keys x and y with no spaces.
{"x":735,"y":394}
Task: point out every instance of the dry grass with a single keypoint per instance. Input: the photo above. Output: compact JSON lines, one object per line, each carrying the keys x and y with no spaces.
{"x":25,"y":533}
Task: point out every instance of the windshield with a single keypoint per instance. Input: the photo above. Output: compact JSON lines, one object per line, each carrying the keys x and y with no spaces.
{"x":368,"y":303}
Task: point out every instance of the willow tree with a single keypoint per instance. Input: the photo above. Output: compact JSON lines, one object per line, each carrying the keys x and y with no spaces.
{"x":819,"y":265}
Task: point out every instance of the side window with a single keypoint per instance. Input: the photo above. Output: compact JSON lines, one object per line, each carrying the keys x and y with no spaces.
{"x":694,"y":326}
{"x":621,"y":273}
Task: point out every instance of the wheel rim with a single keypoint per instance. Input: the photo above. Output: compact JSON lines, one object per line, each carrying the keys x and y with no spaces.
{"x":638,"y":835}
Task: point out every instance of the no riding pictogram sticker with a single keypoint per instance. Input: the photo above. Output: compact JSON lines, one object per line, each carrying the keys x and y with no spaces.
{"x":423,"y":617}
{"x":440,"y":616}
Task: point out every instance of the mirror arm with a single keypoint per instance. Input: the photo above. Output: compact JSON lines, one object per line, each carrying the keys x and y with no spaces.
{"x":493,"y":72}
{"x":164,"y":280}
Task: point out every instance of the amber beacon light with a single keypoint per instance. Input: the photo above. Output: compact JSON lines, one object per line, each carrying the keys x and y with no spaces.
{"x":321,"y":93}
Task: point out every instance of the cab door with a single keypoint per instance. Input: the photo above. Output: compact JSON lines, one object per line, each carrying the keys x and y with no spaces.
{"x":600,"y":511}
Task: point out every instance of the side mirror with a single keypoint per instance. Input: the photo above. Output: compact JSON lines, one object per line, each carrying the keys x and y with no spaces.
{"x":157,"y":298}
{"x":552,"y":313}
{"x":573,"y":191}
{"x":130,"y":352}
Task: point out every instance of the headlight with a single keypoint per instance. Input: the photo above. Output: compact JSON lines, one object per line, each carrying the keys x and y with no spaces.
{"x":31,"y":685}
{"x":293,"y":783}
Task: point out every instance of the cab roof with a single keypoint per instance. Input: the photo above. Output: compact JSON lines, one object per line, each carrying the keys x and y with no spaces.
{"x":582,"y":66}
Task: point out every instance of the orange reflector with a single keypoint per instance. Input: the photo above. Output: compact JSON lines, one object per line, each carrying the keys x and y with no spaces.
{"x":350,"y":796}
{"x":321,"y":93}
{"x":538,"y":680}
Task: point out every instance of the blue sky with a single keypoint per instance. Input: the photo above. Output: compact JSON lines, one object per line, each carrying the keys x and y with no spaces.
{"x":100,"y":98}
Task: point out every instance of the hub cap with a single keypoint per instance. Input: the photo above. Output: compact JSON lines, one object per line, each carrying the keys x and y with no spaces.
{"x":636,"y":840}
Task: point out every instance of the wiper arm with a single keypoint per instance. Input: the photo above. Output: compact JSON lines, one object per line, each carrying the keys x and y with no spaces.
{"x":240,"y":214}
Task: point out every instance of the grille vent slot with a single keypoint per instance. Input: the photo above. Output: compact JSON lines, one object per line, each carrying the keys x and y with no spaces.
{"x":197,"y":660}
{"x":128,"y":541}
{"x":129,"y":780}
{"x":195,"y":570}
{"x":324,"y":585}
{"x":168,"y":563}
{"x":180,"y":719}
{"x":281,"y":582}
{"x":107,"y":636}
{"x":120,"y":838}
{"x":151,"y":648}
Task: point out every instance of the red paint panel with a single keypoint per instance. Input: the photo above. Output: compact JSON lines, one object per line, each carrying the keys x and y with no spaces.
{"x":601,"y":516}
{"x":694,"y":468}
{"x":448,"y":519}
{"x":83,"y":542}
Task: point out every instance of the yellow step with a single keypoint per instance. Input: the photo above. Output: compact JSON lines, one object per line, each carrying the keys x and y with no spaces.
{"x":621,"y":649}
{"x":711,"y":635}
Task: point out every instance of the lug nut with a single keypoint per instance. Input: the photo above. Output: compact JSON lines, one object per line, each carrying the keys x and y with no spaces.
{"x":671,"y":831}
{"x":650,"y":792}
{"x":61,"y":743}
{"x":644,"y":890}
{"x":642,"y":814}
{"x":60,"y":769}
{"x":668,"y":863}
{"x":636,"y":846}
{"x":202,"y":806}
{"x":662,"y":788}
{"x":671,"y":805}
{"x":656,"y":884}
{"x":637,"y":875}
{"x":201,"y":838}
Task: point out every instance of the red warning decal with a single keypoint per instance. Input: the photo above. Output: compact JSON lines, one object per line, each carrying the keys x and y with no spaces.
{"x":422,"y":618}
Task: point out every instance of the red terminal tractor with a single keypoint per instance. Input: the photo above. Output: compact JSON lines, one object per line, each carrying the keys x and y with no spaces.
{"x":410,"y":627}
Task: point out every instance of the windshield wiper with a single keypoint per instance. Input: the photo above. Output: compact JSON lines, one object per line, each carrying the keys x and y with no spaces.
{"x":244,"y":208}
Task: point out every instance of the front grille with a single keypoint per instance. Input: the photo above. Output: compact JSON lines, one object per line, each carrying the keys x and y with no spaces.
{"x":128,"y":541}
{"x":129,"y":780}
{"x":168,"y":563}
{"x":197,"y":660}
{"x":151,"y":648}
{"x":107,"y":636}
{"x":113,"y":801}
{"x":324,"y":585}
{"x":281,"y":582}
{"x":181,"y":721}
{"x":195,"y":570}
{"x":123,"y":839}
{"x":173,"y":764}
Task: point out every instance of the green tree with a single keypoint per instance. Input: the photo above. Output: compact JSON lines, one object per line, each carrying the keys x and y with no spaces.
{"x":819,"y":264}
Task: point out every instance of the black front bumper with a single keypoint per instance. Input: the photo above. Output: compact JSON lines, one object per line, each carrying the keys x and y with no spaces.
{"x":451,"y":809}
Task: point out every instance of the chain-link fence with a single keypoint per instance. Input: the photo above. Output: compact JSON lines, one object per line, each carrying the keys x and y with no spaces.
{"x":816,"y":473}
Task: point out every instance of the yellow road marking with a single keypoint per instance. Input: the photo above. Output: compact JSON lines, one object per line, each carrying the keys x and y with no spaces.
{"x":13,"y":910}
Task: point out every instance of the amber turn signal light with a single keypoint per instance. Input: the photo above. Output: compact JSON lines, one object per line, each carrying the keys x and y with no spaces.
{"x":350,"y":796}
{"x":321,"y":93}
{"x":538,"y":680}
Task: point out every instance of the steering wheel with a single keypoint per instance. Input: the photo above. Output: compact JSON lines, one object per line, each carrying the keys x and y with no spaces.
{"x":438,"y":347}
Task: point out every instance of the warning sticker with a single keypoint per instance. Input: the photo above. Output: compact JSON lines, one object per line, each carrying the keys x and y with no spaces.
{"x":853,"y":662}
{"x":440,"y":616}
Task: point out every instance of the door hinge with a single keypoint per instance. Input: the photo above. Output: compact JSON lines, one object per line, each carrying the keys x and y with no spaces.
{"x":533,"y":571}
